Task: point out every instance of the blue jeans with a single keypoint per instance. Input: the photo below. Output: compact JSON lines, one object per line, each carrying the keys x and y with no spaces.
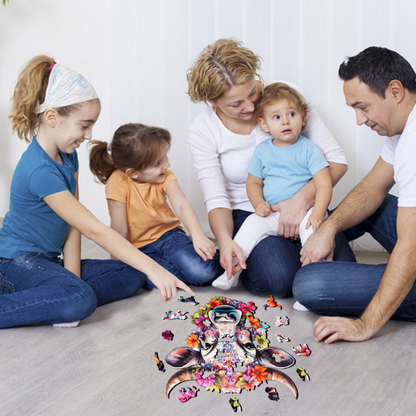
{"x":338,"y":288}
{"x":175,"y":252}
{"x":272,"y":265}
{"x":38,"y":289}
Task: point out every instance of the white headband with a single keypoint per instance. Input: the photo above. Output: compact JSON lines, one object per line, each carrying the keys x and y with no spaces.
{"x":66,"y":87}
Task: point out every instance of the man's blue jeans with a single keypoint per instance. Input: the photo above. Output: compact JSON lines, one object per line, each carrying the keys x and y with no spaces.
{"x":175,"y":252}
{"x":272,"y":265}
{"x":339,"y":288}
{"x":38,"y":289}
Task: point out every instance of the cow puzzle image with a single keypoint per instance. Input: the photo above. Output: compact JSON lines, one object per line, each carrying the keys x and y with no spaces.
{"x":229,"y":351}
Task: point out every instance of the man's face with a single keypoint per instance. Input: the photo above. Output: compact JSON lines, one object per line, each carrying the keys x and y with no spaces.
{"x":370,"y":109}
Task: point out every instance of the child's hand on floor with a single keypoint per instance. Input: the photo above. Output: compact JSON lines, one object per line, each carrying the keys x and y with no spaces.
{"x":168,"y":284}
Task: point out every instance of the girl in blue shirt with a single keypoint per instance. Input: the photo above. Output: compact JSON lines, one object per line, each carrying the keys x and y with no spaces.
{"x":42,"y":276}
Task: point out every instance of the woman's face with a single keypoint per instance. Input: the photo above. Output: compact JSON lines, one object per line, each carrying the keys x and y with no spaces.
{"x":238,"y":101}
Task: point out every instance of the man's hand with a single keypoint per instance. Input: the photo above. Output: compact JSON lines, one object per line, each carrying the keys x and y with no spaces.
{"x":332,"y":329}
{"x":319,"y":246}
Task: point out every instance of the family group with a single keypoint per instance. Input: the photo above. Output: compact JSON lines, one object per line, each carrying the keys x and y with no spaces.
{"x":266,"y":164}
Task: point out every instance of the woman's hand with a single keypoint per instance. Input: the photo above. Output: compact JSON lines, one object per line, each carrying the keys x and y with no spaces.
{"x":231,"y":258}
{"x":204,"y":247}
{"x":292,"y":211}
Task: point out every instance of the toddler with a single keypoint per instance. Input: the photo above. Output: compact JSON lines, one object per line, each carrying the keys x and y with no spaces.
{"x":279,"y":168}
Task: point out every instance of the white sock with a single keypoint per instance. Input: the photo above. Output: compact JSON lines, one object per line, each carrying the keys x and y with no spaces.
{"x":223,"y":283}
{"x":67,"y":324}
{"x":299,"y":307}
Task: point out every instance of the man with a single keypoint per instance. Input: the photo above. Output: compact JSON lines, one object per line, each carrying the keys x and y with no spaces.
{"x":380,"y":85}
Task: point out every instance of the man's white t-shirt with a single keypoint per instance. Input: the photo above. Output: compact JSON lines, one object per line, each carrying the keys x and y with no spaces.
{"x":400,"y":151}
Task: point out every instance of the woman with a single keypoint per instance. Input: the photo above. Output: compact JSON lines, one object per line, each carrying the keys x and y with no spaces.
{"x":222,"y":141}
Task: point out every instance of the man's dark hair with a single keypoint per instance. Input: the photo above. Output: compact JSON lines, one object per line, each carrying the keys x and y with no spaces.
{"x":376,"y":67}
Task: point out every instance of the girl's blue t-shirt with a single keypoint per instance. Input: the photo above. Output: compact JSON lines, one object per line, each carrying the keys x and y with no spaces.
{"x":31,"y":226}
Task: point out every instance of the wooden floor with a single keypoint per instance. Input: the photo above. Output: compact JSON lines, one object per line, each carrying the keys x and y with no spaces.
{"x":105,"y":366}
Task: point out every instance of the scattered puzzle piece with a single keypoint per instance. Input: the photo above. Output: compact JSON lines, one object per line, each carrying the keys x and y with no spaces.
{"x":271,"y":303}
{"x":168,"y":335}
{"x":282,"y":320}
{"x":303,"y":374}
{"x":190,"y":299}
{"x":282,"y":338}
{"x":176,"y":315}
{"x":302,"y":350}
{"x":235,"y":404}
{"x":185,"y":395}
{"x":159,"y":363}
{"x":273,"y":394}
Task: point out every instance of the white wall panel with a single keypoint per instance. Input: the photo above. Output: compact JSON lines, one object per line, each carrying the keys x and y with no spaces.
{"x":228,"y":18}
{"x":376,"y":23}
{"x":175,"y":100}
{"x":126,"y":40}
{"x":343,"y":39}
{"x":314,"y":53}
{"x":257,"y":24}
{"x":283,"y":58}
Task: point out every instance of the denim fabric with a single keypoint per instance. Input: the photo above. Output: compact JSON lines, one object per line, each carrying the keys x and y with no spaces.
{"x":175,"y":252}
{"x":272,"y":265}
{"x":338,"y":288}
{"x":38,"y":289}
{"x":381,"y":225}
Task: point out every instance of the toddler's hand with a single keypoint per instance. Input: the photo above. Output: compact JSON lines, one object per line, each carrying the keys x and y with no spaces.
{"x":204,"y":247}
{"x":315,"y":221}
{"x":263,"y":209}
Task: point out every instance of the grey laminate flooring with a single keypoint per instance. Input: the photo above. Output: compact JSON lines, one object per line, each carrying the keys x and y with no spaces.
{"x":105,"y":366}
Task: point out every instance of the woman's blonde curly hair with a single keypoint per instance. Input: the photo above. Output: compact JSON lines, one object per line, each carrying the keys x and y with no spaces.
{"x":220,"y":66}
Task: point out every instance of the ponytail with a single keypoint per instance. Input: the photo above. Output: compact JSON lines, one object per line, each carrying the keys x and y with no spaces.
{"x":101,"y":162}
{"x":28,"y":94}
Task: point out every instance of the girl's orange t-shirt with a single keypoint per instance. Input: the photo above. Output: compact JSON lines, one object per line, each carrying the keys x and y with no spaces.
{"x":149,"y":215}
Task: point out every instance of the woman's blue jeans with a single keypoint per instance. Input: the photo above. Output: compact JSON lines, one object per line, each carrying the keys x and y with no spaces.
{"x":38,"y":289}
{"x":339,"y":288}
{"x":175,"y":252}
{"x":272,"y":265}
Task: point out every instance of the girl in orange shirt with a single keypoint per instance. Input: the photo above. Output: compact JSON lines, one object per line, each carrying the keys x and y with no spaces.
{"x":138,"y":183}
